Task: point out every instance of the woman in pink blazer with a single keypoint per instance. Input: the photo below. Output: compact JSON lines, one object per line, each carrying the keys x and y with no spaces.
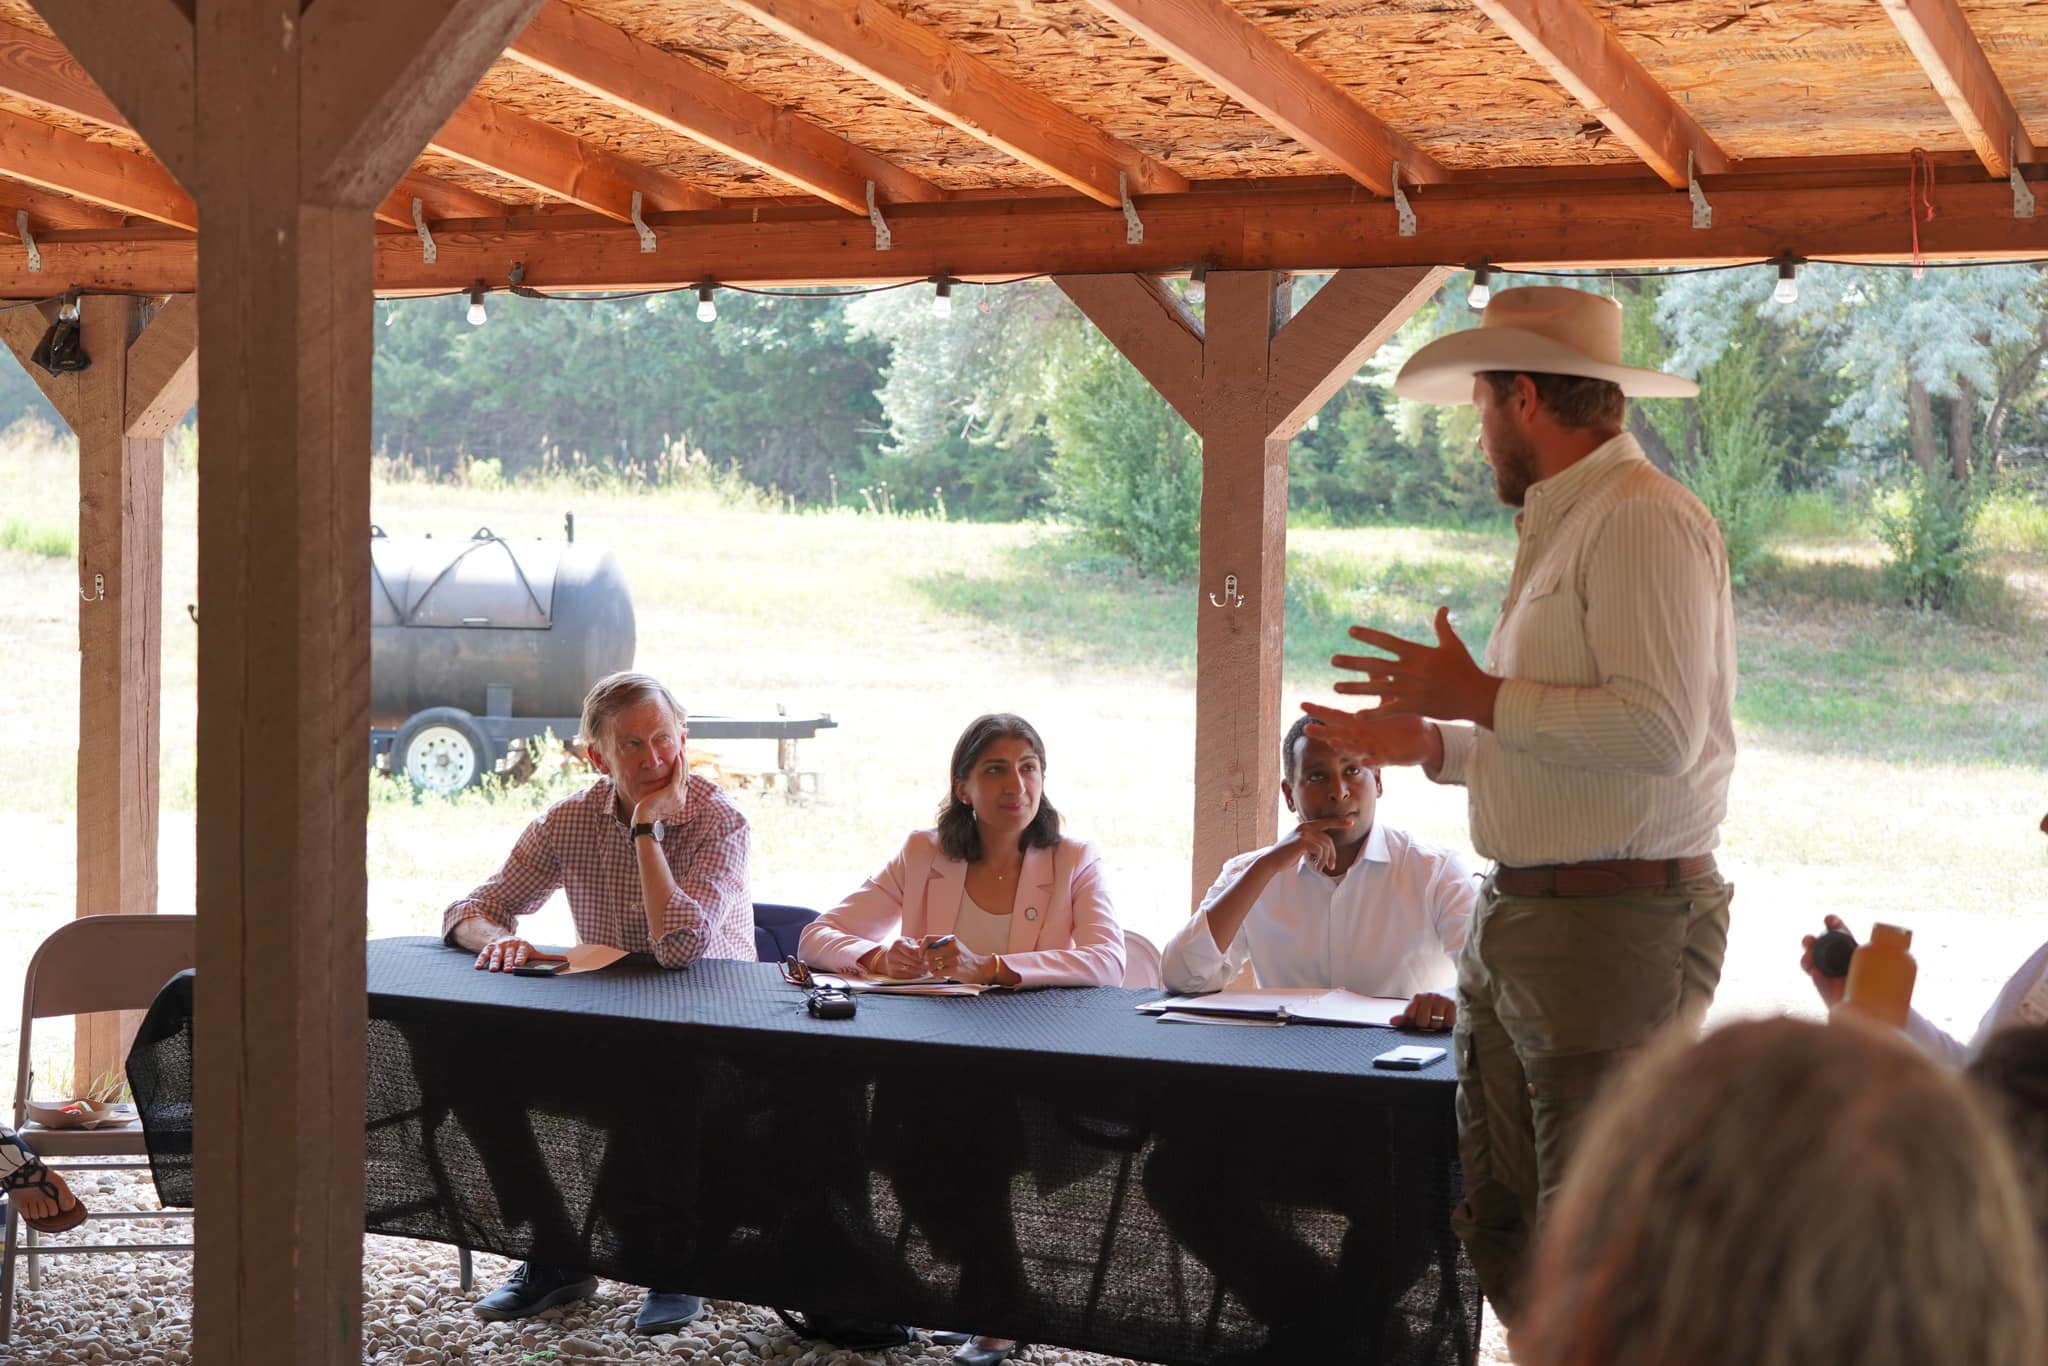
{"x":992,"y":895}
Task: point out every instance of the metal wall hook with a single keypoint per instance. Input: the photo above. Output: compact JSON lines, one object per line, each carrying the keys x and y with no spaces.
{"x":99,"y":590}
{"x":1231,"y":597}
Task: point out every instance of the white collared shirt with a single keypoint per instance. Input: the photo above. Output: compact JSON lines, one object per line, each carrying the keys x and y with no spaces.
{"x":1612,"y":733}
{"x":2023,"y":1002}
{"x":1392,"y":925}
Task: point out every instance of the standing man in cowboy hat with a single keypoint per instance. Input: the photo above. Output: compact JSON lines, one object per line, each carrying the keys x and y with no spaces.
{"x":1594,"y":739}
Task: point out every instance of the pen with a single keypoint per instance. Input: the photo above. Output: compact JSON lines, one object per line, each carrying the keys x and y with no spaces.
{"x":940,"y":942}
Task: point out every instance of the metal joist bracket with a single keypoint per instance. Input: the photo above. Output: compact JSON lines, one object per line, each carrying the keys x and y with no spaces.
{"x":1702,"y":211}
{"x":882,"y":242}
{"x":2022,"y":197}
{"x":640,"y":226}
{"x":1404,"y":214}
{"x":429,"y":253}
{"x":28,"y":243}
{"x":1134,"y":226}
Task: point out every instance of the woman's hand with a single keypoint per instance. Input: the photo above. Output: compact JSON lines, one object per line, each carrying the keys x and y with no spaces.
{"x":898,"y":958}
{"x":1830,"y":988}
{"x":949,"y":957}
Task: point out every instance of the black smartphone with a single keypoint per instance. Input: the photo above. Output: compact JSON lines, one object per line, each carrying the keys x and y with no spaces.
{"x":830,"y":1003}
{"x":544,"y":968}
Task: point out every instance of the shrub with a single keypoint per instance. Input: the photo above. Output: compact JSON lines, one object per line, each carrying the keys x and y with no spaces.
{"x":1125,"y":467}
{"x":1929,"y":527}
{"x":1735,"y":470}
{"x":51,"y":542}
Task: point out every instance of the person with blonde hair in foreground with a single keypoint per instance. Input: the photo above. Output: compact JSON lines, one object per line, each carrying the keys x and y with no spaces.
{"x":1787,"y":1194}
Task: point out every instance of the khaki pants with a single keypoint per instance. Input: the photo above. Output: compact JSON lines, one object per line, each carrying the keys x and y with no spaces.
{"x":1553,"y":993}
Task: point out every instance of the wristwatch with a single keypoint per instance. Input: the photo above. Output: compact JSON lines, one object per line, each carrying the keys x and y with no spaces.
{"x":648,"y":828}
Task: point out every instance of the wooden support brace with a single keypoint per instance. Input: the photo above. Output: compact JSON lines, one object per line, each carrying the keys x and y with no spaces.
{"x":1246,"y":378}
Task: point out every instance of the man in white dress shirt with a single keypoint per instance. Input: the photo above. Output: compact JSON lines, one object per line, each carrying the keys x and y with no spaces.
{"x":1341,"y":901}
{"x":1595,"y":742}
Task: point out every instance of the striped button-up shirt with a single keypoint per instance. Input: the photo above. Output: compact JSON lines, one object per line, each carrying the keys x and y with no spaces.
{"x":1612,"y":735}
{"x":582,"y":845}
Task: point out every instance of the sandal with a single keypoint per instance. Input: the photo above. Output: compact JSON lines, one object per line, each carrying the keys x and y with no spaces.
{"x":31,"y":1175}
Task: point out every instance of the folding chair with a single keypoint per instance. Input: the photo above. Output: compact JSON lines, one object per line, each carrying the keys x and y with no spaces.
{"x":95,"y":963}
{"x":777,"y":929}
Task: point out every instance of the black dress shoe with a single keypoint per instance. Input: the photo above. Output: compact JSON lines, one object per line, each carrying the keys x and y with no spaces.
{"x":947,"y":1337}
{"x":664,"y":1311}
{"x":531,"y":1290}
{"x":976,"y":1352}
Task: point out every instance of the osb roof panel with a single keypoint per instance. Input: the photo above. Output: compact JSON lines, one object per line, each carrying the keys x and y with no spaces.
{"x":2015,"y":37}
{"x":70,"y":123}
{"x":507,"y":192}
{"x":22,"y":15}
{"x":1773,"y":79}
{"x":756,"y":60}
{"x":527,"y":92}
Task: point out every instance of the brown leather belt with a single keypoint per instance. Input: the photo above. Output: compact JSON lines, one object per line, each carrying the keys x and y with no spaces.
{"x":1601,"y":877}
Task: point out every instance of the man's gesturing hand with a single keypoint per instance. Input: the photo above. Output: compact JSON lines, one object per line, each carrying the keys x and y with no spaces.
{"x":1439,"y":681}
{"x":1379,"y":740}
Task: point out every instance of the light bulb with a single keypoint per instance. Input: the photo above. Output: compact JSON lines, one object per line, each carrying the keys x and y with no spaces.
{"x":1198,"y":285}
{"x":942,"y":298}
{"x":477,"y":316}
{"x":1481,"y":294}
{"x":707,"y":309}
{"x":1787,"y":291}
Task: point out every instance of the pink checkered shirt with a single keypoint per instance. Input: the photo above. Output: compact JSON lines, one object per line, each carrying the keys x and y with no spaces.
{"x":582,"y":846}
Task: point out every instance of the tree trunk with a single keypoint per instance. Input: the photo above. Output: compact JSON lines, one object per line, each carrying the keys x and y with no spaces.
{"x":1646,"y":436}
{"x":1962,"y":421}
{"x":1920,"y":424}
{"x":2013,"y":383}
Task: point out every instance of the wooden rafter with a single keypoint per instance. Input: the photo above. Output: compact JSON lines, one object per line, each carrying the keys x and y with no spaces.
{"x":47,"y":211}
{"x":543,"y":157}
{"x":37,"y":68}
{"x":1583,"y":55}
{"x":1859,"y":217}
{"x":1230,"y":52}
{"x":950,"y":83}
{"x":43,"y":155}
{"x":584,"y":52}
{"x":1947,"y":48}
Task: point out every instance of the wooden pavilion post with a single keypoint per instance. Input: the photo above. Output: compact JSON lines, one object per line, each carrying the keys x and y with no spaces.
{"x":140,"y":382}
{"x":1245,"y":378}
{"x":289,"y":123}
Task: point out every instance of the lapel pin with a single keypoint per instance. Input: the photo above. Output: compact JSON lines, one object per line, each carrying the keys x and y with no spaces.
{"x":1031,"y":912}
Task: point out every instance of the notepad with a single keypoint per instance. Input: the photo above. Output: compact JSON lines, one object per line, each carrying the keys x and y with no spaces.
{"x":899,"y":986}
{"x":1304,"y":1005}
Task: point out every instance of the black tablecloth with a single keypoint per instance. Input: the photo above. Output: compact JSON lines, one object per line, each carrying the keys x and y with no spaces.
{"x":1047,"y":1165}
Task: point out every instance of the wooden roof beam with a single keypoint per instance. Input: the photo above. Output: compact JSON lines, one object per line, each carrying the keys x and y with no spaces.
{"x":55,"y":159}
{"x":1942,"y":41}
{"x":47,"y":211}
{"x":1216,"y":42}
{"x":143,"y":48}
{"x":1556,"y":226}
{"x":670,"y":92}
{"x":952,"y":84}
{"x":1583,"y":55}
{"x":544,"y":158}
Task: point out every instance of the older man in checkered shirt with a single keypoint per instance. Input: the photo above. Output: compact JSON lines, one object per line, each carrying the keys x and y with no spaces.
{"x":653,"y":860}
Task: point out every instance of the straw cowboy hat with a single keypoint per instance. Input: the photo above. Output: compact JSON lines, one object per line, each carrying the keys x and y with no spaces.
{"x":1537,"y":330}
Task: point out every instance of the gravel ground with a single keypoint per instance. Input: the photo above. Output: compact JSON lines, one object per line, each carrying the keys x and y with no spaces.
{"x":138,"y":1309}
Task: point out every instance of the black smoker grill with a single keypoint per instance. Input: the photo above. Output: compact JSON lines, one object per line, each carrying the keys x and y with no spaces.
{"x":475,"y":644}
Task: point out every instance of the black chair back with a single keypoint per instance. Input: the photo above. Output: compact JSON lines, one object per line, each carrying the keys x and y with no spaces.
{"x":777,"y":929}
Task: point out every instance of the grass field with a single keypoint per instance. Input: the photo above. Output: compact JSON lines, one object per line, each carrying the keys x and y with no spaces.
{"x":1892,"y":765}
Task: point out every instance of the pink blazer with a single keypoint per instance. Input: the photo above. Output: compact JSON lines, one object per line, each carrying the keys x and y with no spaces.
{"x":1063,"y":931}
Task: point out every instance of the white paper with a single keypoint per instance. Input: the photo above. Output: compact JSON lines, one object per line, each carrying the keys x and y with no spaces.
{"x":1189,"y":1017}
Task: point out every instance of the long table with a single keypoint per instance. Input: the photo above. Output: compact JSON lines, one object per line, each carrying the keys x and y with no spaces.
{"x":1045,"y":1165}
